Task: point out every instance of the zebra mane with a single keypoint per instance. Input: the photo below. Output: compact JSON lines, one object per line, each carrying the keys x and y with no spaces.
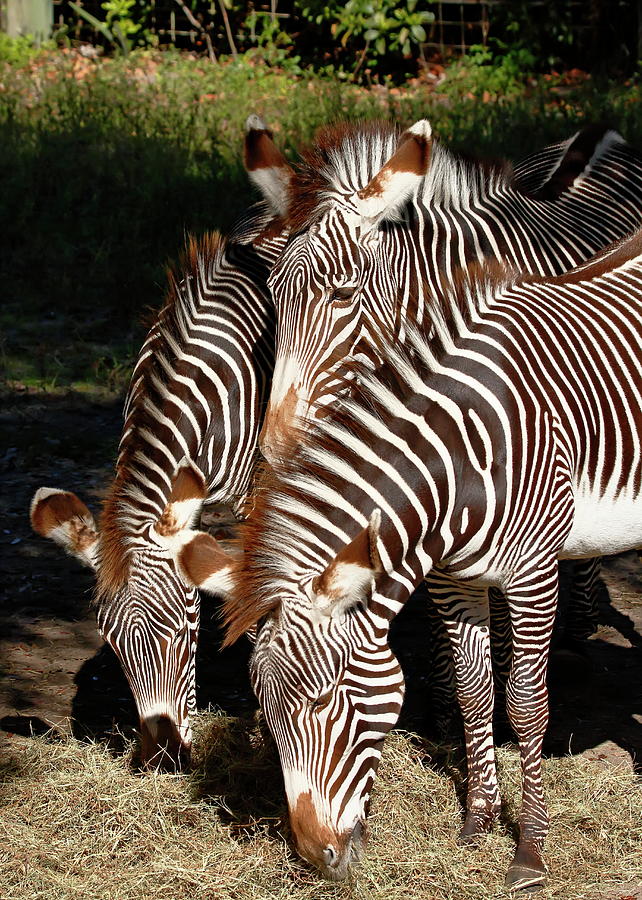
{"x":123,"y":513}
{"x":346,"y":156}
{"x":294,"y":502}
{"x":615,"y":256}
{"x":257,"y":224}
{"x":289,"y":500}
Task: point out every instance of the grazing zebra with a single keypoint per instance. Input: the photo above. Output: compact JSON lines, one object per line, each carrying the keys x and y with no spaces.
{"x":191,"y":424}
{"x":508,"y":439}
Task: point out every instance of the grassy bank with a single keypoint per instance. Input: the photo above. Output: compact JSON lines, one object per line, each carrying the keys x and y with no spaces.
{"x":77,"y":824}
{"x":107,"y":163}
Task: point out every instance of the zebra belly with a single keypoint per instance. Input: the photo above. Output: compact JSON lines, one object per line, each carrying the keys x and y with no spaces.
{"x":604,"y":525}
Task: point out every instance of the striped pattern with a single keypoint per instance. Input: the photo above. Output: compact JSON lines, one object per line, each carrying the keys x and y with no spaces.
{"x":191,"y":424}
{"x":508,"y":440}
{"x":345,"y":279}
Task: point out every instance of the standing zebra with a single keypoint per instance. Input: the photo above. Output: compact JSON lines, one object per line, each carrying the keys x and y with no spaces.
{"x":378,"y":221}
{"x":508,"y":439}
{"x":191,"y":424}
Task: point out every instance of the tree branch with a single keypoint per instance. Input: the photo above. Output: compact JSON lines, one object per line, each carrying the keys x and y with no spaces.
{"x":199,"y":26}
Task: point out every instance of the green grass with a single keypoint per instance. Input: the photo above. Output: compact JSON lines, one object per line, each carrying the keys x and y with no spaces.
{"x":107,"y":164}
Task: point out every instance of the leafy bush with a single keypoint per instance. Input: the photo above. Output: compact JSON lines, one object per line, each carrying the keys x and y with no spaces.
{"x":19,"y":50}
{"x":494,"y":71}
{"x":371,"y":30}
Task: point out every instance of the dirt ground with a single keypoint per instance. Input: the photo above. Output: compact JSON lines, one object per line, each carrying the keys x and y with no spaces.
{"x":56,"y":671}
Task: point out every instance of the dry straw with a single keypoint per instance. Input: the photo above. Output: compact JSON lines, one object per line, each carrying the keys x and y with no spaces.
{"x":77,"y":823}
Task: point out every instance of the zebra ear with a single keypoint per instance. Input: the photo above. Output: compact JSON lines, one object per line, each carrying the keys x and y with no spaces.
{"x":203,"y":563}
{"x":386,"y":194}
{"x":348,"y":579}
{"x":266,"y":165}
{"x":184,"y":503}
{"x":64,"y":518}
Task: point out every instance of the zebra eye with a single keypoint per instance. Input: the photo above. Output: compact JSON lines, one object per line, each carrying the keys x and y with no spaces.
{"x":343,"y":295}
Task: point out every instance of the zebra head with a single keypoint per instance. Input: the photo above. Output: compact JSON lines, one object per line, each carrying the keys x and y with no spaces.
{"x":330,"y":688}
{"x":147,"y":609}
{"x":152,"y":623}
{"x":334,"y":286}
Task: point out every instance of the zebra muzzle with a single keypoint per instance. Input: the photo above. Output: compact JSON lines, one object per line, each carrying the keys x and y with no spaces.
{"x":162,"y":746}
{"x":331,"y":852}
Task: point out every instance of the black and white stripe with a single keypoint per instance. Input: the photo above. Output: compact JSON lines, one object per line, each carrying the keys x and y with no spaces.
{"x":191,"y":423}
{"x":508,"y":440}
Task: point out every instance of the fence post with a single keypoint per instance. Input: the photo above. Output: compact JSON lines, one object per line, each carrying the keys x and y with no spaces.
{"x":22,"y":17}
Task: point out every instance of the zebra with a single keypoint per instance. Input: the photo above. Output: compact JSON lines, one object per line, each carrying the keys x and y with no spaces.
{"x":191,"y":423}
{"x":380,"y":221}
{"x":506,"y":439}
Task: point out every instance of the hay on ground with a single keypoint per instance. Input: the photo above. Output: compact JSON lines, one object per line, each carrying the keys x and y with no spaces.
{"x":77,"y":823}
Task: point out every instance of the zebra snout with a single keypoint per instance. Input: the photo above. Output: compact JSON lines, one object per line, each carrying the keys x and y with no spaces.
{"x":338,"y":857}
{"x":280,"y":431}
{"x":162,"y":746}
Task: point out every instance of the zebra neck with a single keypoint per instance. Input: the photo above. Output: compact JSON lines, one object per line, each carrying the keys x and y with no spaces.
{"x":197,"y":390}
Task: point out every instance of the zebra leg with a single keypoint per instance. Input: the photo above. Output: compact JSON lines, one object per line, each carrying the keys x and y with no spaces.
{"x":465,"y":613}
{"x":442,"y":672}
{"x":501,"y":648}
{"x":582,"y":614}
{"x":532,"y":600}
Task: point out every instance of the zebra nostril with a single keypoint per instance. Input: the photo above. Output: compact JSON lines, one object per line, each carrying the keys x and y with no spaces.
{"x":330,"y":856}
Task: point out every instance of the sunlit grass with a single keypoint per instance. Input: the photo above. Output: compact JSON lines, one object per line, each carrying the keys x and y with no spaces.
{"x":77,"y":823}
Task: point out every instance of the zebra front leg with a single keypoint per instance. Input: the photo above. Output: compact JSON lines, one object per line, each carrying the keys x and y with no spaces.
{"x":532,"y":602}
{"x":465,"y":613}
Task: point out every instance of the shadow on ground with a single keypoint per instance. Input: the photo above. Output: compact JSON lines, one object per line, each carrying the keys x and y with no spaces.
{"x":56,"y":669}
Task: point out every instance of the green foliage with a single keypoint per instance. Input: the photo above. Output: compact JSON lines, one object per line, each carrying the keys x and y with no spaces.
{"x":19,"y":50}
{"x":366,"y":38}
{"x":372,"y":28}
{"x":119,"y":16}
{"x":273,"y":45}
{"x":120,"y":29}
{"x":495,"y":71}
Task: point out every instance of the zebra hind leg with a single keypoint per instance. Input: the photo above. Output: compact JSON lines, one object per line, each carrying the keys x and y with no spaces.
{"x":464,"y":610}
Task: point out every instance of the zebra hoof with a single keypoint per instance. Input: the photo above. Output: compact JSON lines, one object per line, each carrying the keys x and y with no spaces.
{"x":476,"y":825}
{"x":527,"y":872}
